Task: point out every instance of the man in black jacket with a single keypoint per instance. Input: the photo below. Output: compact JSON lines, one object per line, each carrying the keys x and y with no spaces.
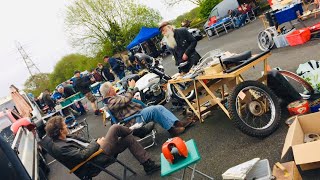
{"x":72,"y":150}
{"x":82,"y":84}
{"x":182,"y":45}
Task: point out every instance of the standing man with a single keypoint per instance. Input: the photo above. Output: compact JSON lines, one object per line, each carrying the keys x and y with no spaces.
{"x":82,"y":84}
{"x":105,"y":73}
{"x":182,"y":45}
{"x":116,"y":65}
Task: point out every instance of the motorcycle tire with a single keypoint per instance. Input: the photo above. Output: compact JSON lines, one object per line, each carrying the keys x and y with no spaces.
{"x":175,"y":94}
{"x":256,"y":109}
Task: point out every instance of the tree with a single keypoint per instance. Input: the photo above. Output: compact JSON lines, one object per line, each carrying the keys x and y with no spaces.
{"x":94,"y":24}
{"x":192,"y":15}
{"x":65,"y":68}
{"x":37,"y":83}
{"x":175,"y":2}
{"x":206,"y":7}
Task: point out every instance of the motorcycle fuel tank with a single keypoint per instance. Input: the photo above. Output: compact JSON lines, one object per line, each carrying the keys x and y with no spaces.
{"x":147,"y":80}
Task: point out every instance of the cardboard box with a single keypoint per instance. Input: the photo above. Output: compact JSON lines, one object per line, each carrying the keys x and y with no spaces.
{"x":287,"y":171}
{"x":306,"y":155}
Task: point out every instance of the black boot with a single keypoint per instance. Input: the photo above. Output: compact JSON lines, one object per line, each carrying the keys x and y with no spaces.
{"x":150,"y":167}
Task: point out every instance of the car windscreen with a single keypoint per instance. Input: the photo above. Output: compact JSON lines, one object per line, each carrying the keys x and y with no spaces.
{"x":214,"y":12}
{"x":5,"y":130}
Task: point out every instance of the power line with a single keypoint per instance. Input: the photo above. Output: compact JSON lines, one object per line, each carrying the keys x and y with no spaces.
{"x":31,"y":66}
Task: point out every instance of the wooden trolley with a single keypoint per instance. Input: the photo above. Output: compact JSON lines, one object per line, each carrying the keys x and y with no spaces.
{"x":245,"y":98}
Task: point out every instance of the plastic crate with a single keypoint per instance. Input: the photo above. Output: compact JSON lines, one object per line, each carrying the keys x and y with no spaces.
{"x":315,"y":27}
{"x":260,"y":171}
{"x":300,"y":36}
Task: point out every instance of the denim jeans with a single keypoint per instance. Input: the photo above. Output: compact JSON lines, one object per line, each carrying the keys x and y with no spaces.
{"x":121,"y":75}
{"x":158,"y":114}
{"x":240,"y":20}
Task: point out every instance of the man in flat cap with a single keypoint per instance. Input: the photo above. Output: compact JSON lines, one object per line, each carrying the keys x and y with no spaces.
{"x":182,"y":45}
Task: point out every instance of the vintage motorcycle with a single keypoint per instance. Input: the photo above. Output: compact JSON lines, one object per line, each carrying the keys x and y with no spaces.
{"x":153,"y":83}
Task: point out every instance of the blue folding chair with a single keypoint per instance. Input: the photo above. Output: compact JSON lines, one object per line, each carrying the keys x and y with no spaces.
{"x":151,"y":135}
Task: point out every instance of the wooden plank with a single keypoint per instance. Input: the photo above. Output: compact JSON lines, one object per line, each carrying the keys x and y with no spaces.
{"x":180,"y":80}
{"x":215,"y":98}
{"x":236,"y":72}
{"x":197,"y":100}
{"x":189,"y":103}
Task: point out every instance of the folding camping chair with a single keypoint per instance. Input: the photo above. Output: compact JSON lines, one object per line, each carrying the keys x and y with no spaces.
{"x":46,"y":142}
{"x":95,"y":90}
{"x":151,"y":135}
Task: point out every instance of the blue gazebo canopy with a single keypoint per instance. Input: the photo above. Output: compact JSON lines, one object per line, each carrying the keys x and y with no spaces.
{"x":144,"y":34}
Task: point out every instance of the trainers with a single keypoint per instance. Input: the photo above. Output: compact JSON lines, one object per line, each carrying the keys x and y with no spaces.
{"x":136,"y":126}
{"x":97,"y":112}
{"x":150,"y":167}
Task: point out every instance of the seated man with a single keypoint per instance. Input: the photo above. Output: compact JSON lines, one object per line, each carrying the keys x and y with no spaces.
{"x":72,"y":150}
{"x":122,"y":107}
{"x":237,"y":17}
{"x":67,"y":92}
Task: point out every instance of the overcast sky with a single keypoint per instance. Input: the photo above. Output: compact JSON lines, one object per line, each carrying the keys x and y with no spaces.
{"x":39,"y":26}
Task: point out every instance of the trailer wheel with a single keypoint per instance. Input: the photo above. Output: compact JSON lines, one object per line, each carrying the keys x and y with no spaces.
{"x":254,"y":109}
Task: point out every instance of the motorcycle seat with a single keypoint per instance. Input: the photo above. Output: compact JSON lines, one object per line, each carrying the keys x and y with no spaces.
{"x":237,"y":59}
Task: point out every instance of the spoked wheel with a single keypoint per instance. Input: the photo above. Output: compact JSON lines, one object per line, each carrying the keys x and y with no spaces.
{"x":265,"y":40}
{"x":175,"y":94}
{"x":254,"y":109}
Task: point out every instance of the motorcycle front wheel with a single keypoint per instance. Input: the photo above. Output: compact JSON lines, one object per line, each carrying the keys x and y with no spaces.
{"x":254,"y":109}
{"x":175,"y":94}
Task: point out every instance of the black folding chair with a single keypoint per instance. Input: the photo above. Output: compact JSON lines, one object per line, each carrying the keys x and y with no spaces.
{"x":46,"y":142}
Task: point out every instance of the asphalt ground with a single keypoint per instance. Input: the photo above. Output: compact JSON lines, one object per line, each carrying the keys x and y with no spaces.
{"x":220,"y":144}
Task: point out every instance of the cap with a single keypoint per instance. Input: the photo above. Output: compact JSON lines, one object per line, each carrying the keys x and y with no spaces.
{"x":163,"y":24}
{"x":75,"y":72}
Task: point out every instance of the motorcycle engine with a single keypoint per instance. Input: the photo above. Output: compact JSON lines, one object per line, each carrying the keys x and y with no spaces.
{"x":155,"y":89}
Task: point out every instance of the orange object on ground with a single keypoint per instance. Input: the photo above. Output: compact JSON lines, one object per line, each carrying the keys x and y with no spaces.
{"x":299,"y":36}
{"x":299,"y":107}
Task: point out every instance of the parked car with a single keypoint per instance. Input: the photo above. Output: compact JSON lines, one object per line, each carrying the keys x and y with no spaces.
{"x":20,"y":134}
{"x":221,"y":10}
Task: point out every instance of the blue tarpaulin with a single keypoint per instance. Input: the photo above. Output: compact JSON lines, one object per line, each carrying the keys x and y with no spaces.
{"x":144,"y":34}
